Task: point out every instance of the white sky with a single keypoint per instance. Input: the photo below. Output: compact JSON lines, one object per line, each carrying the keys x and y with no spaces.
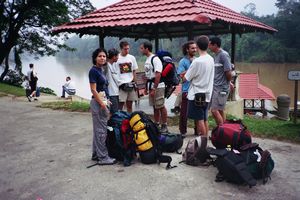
{"x":263,"y":7}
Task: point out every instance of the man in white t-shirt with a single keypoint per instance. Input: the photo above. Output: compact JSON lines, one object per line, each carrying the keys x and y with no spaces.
{"x":155,"y":88}
{"x":68,"y":87}
{"x":113,"y":79}
{"x":127,"y":67}
{"x":201,"y":77}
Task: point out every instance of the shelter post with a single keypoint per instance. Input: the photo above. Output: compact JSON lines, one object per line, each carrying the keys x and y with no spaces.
{"x":101,"y":41}
{"x":232,"y":47}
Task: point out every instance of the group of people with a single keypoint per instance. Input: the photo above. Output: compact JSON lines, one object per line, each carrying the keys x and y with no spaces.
{"x":205,"y":84}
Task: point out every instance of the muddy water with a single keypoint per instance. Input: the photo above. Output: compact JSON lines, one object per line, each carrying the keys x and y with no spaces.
{"x":274,"y":76}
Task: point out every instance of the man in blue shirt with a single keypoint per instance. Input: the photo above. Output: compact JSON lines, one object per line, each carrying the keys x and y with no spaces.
{"x":189,"y":51}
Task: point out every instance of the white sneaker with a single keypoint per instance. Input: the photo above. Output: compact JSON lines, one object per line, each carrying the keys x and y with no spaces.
{"x":107,"y":161}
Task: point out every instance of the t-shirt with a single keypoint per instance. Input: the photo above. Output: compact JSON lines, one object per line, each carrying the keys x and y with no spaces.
{"x":113,"y":79}
{"x":222,"y":65}
{"x":97,"y":76}
{"x":30,"y":73}
{"x":70,"y":85}
{"x":183,"y":66}
{"x":126,"y":65}
{"x":149,"y":72}
{"x":201,"y":77}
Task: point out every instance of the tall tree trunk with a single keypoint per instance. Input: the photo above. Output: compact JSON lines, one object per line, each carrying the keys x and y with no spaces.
{"x":5,"y":69}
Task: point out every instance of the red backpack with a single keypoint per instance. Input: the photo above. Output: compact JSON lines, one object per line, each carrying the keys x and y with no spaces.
{"x":231,"y":132}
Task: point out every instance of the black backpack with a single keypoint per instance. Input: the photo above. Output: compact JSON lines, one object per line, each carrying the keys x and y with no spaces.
{"x":244,"y":166}
{"x":140,"y":123}
{"x":169,"y":73}
{"x":119,"y":141}
{"x":170,"y":142}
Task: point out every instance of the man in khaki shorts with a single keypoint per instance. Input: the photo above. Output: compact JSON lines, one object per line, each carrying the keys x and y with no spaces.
{"x":155,"y":88}
{"x":127,"y":67}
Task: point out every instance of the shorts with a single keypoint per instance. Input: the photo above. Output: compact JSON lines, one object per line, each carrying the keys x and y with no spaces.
{"x":127,"y":96}
{"x":219,"y":98}
{"x":197,"y":112}
{"x":158,"y":101}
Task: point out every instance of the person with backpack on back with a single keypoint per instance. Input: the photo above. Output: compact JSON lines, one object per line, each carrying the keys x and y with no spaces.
{"x":200,"y":75}
{"x":127,"y":67}
{"x":222,"y":80}
{"x":154,"y":87}
{"x":32,"y":78}
{"x":189,"y":50}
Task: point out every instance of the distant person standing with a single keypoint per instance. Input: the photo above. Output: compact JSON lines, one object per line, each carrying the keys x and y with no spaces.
{"x":113,"y":80}
{"x":189,"y":51}
{"x":98,"y":105}
{"x":68,"y":87}
{"x":222,"y":80}
{"x":201,"y":77}
{"x":155,"y":88}
{"x":32,"y":78}
{"x":127,"y":67}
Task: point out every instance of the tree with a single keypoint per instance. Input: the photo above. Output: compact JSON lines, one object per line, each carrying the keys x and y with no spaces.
{"x":26,"y":25}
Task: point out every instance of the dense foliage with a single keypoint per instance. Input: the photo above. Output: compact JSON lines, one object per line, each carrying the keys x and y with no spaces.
{"x":26,"y":25}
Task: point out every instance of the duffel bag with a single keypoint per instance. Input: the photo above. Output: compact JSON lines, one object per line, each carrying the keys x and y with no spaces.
{"x":231,"y":132}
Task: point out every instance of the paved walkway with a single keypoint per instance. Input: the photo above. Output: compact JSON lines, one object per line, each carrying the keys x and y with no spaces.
{"x":44,"y":154}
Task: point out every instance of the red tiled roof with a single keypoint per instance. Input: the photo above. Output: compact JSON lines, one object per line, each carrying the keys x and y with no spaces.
{"x":114,"y":19}
{"x":250,"y":88}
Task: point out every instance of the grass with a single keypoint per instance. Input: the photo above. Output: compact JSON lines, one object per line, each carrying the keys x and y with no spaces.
{"x":274,"y":128}
{"x":265,"y":128}
{"x":13,"y":90}
{"x":68,"y":106}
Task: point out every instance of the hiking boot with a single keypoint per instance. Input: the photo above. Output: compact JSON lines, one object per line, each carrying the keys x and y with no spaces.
{"x":29,"y":98}
{"x":94,"y":157}
{"x":63,"y":97}
{"x":175,"y":110}
{"x":107,"y":161}
{"x":164,"y":128}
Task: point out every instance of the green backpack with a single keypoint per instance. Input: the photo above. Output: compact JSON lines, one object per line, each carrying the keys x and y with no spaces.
{"x":259,"y":163}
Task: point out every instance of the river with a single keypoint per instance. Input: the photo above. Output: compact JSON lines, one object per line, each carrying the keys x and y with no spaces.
{"x":52,"y":73}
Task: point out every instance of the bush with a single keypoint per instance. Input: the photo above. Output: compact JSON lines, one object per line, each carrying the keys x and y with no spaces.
{"x":47,"y":90}
{"x":13,"y":78}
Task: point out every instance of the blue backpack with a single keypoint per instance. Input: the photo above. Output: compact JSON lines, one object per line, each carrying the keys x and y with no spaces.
{"x":119,"y":141}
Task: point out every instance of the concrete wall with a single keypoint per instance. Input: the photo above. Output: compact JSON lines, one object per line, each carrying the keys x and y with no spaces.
{"x":236,"y":107}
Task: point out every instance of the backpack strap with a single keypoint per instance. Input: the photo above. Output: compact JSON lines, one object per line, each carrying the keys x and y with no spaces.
{"x":152,"y":62}
{"x":265,"y":155}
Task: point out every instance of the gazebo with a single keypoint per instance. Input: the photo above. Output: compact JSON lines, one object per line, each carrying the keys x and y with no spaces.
{"x":154,"y":19}
{"x":254,"y":93}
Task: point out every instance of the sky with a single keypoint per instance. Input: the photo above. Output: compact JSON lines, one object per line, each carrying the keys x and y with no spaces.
{"x":263,"y":7}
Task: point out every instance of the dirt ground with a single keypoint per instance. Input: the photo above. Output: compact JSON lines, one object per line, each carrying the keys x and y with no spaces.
{"x":44,"y":154}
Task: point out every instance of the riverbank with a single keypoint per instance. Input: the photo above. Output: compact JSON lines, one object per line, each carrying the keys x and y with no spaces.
{"x":44,"y":154}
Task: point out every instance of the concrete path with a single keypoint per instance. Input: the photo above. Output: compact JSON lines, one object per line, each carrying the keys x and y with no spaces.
{"x":44,"y":154}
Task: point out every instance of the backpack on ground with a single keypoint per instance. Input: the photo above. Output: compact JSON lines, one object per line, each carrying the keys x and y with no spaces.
{"x":244,"y":166}
{"x":195,"y":152}
{"x":231,"y":132}
{"x":119,"y":140}
{"x":169,"y":74}
{"x":170,"y":142}
{"x":146,"y":139}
